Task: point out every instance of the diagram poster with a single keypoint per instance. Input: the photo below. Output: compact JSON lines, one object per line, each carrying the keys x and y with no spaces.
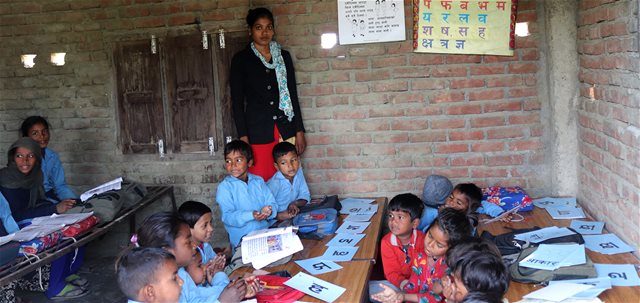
{"x":464,"y":27}
{"x":369,"y":21}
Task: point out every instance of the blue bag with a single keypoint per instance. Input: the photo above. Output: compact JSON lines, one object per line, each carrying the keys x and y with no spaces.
{"x":322,"y":222}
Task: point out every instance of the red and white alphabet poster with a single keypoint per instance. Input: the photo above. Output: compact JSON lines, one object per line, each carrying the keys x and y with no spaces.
{"x":464,"y":27}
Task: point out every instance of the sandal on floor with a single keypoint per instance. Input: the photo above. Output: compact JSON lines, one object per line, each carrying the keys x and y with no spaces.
{"x":71,"y":292}
{"x":77,"y":281}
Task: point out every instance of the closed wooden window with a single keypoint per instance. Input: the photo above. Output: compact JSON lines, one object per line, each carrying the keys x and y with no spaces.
{"x":179,"y":95}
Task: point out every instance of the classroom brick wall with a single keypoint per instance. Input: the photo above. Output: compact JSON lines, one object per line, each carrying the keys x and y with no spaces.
{"x":609,"y":114}
{"x":379,"y":118}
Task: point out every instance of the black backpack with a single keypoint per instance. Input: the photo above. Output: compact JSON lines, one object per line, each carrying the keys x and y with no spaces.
{"x":509,"y":246}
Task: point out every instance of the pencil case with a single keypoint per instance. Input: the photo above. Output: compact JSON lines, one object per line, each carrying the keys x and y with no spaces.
{"x":320,"y":221}
{"x":508,"y":197}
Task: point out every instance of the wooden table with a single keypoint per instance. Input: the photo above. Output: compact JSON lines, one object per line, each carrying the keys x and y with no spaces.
{"x":354,"y":275}
{"x":21,"y":265}
{"x":541,"y":218}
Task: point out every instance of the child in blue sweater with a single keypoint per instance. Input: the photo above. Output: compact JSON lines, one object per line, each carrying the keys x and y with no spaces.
{"x":245,"y":201}
{"x":288,"y":185}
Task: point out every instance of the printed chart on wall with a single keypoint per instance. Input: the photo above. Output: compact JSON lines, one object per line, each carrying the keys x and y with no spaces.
{"x":370,"y":21}
{"x":464,"y":27}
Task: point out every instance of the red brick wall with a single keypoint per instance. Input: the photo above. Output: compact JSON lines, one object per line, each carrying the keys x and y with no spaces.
{"x":379,"y":121}
{"x":383,"y":118}
{"x":609,"y":114}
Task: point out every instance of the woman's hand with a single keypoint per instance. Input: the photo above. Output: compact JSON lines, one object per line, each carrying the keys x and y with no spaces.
{"x":65,"y":205}
{"x":245,"y":139}
{"x":301,"y":142}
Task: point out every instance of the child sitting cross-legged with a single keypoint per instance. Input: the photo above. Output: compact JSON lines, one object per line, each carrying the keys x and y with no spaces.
{"x":149,"y":275}
{"x":477,"y":273}
{"x":428,"y":268}
{"x":245,"y":201}
{"x":288,"y":185}
{"x":403,"y":242}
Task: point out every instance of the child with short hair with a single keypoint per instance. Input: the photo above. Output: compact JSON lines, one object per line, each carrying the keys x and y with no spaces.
{"x":288,"y":185}
{"x":466,"y":197}
{"x":148,"y":275}
{"x":168,"y":231}
{"x":428,"y":268}
{"x":477,"y":273}
{"x":245,"y":201}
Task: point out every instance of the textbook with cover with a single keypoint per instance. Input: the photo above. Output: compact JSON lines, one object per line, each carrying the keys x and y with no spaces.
{"x":265,"y":246}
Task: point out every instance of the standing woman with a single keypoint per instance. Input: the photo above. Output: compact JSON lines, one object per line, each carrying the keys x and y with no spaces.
{"x":264,"y":94}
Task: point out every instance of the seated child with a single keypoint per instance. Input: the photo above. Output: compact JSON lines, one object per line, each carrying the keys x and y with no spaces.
{"x":428,"y":268}
{"x":198,"y":217}
{"x":477,"y":273}
{"x":288,"y":185}
{"x":402,"y":243}
{"x":168,"y":231}
{"x":149,"y":275}
{"x":466,"y":197}
{"x":245,"y":201}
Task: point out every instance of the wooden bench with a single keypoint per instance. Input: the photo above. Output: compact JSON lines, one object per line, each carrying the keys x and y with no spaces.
{"x":23,"y":265}
{"x":539,"y":217}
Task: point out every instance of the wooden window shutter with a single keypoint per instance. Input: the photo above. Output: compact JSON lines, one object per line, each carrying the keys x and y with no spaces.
{"x":139,"y":89}
{"x":234,"y":42}
{"x":191,"y":93}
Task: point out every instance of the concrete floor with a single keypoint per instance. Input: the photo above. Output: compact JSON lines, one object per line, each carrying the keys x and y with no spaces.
{"x":103,"y":284}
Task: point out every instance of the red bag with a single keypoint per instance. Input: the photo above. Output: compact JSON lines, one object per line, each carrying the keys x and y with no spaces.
{"x":274,"y":290}
{"x":79,"y":227}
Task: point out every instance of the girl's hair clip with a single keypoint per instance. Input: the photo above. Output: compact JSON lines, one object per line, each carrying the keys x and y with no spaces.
{"x":134,"y":240}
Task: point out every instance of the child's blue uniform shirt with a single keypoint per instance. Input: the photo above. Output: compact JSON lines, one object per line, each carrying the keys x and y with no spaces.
{"x":286,"y":192}
{"x":429,"y":214}
{"x":206,"y":252}
{"x":53,"y":176}
{"x":192,"y":293}
{"x":9,"y":224}
{"x":238,"y":200}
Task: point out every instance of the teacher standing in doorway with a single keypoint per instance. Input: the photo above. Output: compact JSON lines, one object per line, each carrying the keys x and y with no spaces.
{"x":264,"y":94}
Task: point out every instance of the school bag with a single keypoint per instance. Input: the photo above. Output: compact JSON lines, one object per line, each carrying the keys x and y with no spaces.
{"x":325,"y":202}
{"x":107,"y":205}
{"x":508,"y":197}
{"x":538,"y":276}
{"x":321,"y":222}
{"x":508,"y":245}
{"x":275,"y":291}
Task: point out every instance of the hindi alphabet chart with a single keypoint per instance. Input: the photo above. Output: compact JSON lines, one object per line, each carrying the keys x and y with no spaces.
{"x":370,"y":21}
{"x":464,"y":27}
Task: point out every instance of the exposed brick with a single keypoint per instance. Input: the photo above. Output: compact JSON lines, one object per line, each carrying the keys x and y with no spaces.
{"x":451,"y":148}
{"x":487,"y":70}
{"x":447,"y":97}
{"x":505,"y":133}
{"x":446,"y":71}
{"x":449,"y":123}
{"x":466,"y":109}
{"x":466,"y":83}
{"x":522,"y":68}
{"x":487,"y":147}
{"x":503,"y":106}
{"x":427,"y":84}
{"x":486,"y":94}
{"x":409,"y":125}
{"x":466,"y":135}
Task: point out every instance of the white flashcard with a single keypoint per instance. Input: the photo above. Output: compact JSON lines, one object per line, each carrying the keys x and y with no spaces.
{"x":360,"y":217}
{"x":318,"y":265}
{"x":599,"y":285}
{"x":587,"y":227}
{"x":558,"y":292}
{"x":345,"y":240}
{"x":607,"y":244}
{"x":551,"y":202}
{"x":553,"y":256}
{"x":565,"y":212}
{"x":354,"y":205}
{"x":542,"y":234}
{"x":340,"y":253}
{"x":352,"y":227}
{"x":620,"y":274}
{"x":315,"y":287}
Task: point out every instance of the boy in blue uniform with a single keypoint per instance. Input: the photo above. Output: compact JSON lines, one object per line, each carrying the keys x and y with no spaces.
{"x":288,"y":185}
{"x":245,"y":201}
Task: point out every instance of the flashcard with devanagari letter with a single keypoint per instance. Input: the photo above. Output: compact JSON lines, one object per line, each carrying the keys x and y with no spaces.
{"x":620,"y":274}
{"x":607,"y":244}
{"x":352,"y":227}
{"x":340,"y":253}
{"x":318,"y":265}
{"x":587,"y":227}
{"x":315,"y":287}
{"x":345,"y":240}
